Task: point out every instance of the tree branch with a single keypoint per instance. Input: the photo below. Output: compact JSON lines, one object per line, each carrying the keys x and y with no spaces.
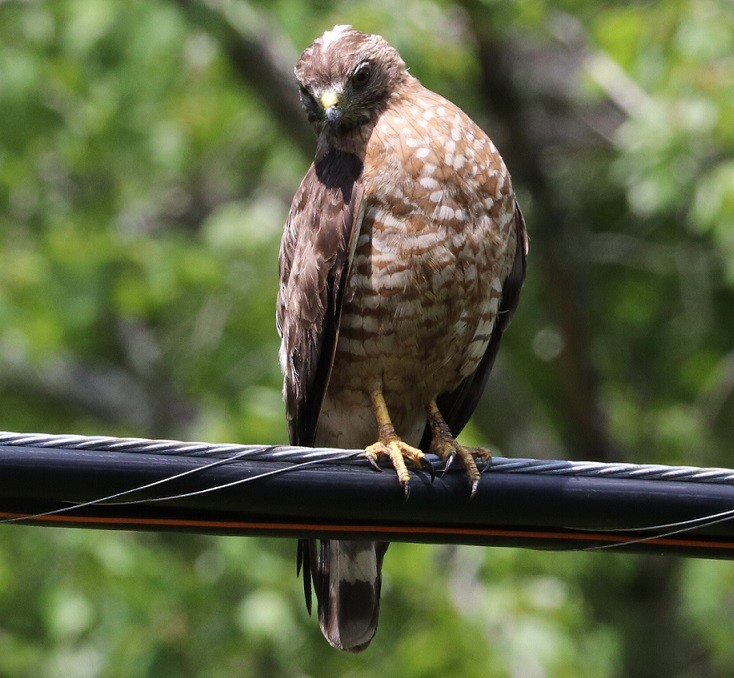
{"x":261,"y":57}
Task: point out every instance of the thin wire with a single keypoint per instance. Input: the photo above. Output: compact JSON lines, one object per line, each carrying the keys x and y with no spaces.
{"x":688,"y":526}
{"x":233,"y":483}
{"x":235,"y":453}
{"x":122,"y":493}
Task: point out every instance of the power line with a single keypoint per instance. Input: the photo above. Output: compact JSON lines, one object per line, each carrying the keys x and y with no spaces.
{"x":132,"y":483}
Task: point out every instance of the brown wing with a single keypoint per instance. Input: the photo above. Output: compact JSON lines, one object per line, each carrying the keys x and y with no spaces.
{"x":458,"y":405}
{"x":315,"y":254}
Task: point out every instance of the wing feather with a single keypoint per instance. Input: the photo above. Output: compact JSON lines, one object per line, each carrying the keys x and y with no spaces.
{"x":315,"y":255}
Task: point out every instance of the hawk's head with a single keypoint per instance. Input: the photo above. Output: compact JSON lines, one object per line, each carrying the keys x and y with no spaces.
{"x":347,"y":78}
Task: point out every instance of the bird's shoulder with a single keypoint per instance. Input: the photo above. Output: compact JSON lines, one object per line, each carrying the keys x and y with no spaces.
{"x":425,"y":144}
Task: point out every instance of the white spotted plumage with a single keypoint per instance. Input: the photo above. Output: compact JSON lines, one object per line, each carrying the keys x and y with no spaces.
{"x":423,"y":299}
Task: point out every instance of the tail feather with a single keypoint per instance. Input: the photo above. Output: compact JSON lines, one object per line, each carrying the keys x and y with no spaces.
{"x":347,"y":577}
{"x":306,"y":556}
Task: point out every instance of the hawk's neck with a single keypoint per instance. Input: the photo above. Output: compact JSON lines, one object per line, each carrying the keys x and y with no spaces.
{"x":352,"y":141}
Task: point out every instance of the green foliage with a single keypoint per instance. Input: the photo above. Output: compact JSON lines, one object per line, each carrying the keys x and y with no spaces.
{"x":143,"y":188}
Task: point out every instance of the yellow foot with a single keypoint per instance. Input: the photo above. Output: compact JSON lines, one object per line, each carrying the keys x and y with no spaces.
{"x":397,"y":451}
{"x":446,"y":447}
{"x":391,"y":446}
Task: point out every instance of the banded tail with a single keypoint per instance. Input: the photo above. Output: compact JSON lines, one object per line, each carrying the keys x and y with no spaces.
{"x":347,"y":577}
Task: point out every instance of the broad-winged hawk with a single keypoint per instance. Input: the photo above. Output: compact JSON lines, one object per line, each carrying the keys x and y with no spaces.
{"x":401,"y":265}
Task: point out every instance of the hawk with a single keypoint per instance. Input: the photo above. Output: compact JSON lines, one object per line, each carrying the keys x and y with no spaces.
{"x":401,"y":264}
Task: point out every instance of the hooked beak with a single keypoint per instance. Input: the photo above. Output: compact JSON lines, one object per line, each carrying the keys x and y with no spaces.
{"x":330,"y":103}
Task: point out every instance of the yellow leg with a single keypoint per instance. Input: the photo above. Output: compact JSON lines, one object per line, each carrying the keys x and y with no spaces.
{"x":445,"y":446}
{"x":390,"y":445}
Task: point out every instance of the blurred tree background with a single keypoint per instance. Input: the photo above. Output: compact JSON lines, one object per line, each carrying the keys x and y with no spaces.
{"x":148,"y":153}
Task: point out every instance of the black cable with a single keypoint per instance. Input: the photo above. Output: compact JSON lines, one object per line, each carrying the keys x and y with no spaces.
{"x":115,"y":483}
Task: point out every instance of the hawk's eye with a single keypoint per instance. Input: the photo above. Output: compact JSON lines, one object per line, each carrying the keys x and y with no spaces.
{"x":362,"y":75}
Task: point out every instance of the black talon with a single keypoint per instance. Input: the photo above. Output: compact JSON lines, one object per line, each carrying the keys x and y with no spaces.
{"x":374,"y":464}
{"x":407,"y":493}
{"x":474,"y":486}
{"x":449,"y":461}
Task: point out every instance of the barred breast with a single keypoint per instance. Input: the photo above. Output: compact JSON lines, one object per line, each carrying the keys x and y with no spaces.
{"x":435,"y":246}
